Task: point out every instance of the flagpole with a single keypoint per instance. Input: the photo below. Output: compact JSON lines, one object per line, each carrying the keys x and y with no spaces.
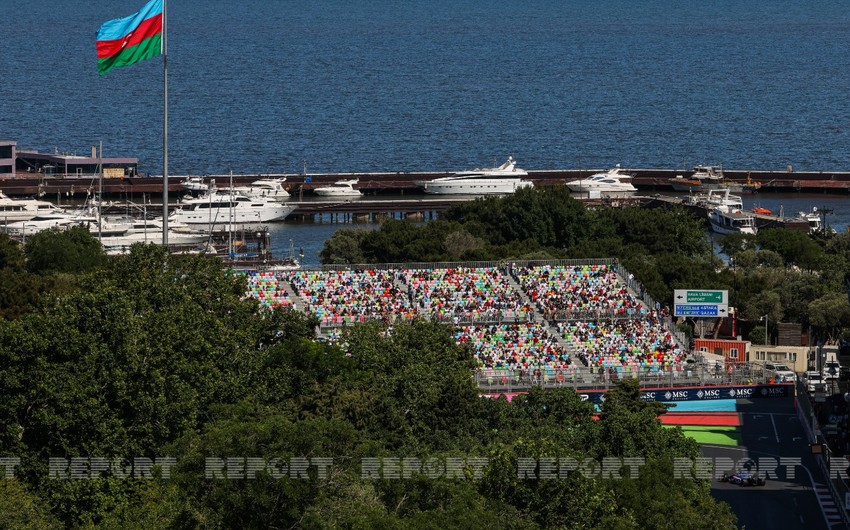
{"x":164,"y":128}
{"x":100,"y":194}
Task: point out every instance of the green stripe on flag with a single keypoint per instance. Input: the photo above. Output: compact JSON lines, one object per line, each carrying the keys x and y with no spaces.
{"x":150,"y":47}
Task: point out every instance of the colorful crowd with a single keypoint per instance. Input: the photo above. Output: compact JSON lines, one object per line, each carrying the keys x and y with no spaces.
{"x":538,"y":317}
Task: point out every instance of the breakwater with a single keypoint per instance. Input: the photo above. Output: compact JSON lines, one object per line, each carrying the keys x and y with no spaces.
{"x":788,"y":180}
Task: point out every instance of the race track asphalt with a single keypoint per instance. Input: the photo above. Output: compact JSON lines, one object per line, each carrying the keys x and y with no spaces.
{"x":771,"y":430}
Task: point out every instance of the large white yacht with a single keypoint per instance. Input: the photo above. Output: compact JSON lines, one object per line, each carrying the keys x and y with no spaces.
{"x":58,"y":219}
{"x":612,"y":181}
{"x":340,"y":188}
{"x":14,"y":210}
{"x":501,"y":180}
{"x":728,"y":221}
{"x":117,"y":235}
{"x":221,"y":210}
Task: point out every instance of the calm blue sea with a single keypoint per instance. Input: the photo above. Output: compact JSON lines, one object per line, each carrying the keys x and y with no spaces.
{"x":260,"y":86}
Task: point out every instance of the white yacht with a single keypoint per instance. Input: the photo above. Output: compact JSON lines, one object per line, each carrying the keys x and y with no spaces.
{"x":14,"y":210}
{"x":59,"y":220}
{"x":194,"y":184}
{"x":501,"y":180}
{"x":221,"y":210}
{"x":117,"y":235}
{"x":719,"y":198}
{"x":611,"y":181}
{"x":731,"y":221}
{"x":816,"y":219}
{"x":340,"y":188}
{"x":271,"y":188}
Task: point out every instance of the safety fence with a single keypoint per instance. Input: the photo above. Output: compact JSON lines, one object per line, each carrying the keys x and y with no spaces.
{"x":437,"y":265}
{"x":458,"y":318}
{"x":596,"y":315}
{"x":601,"y":377}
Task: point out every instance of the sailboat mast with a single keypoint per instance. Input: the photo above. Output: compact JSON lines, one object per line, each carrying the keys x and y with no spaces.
{"x":164,"y":127}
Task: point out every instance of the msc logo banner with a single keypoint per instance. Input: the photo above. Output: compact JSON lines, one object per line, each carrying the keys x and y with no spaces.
{"x":701,"y":394}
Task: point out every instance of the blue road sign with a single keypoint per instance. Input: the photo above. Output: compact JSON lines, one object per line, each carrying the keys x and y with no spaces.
{"x":697,"y":310}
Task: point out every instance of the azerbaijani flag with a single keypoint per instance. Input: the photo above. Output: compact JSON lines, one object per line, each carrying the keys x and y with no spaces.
{"x":128,"y":40}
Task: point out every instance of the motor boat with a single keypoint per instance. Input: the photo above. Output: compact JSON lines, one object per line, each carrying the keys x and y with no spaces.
{"x":271,"y":188}
{"x":194,"y":184}
{"x":59,"y":220}
{"x":726,"y":220}
{"x":340,"y":188}
{"x":501,"y":180}
{"x":611,"y":181}
{"x":704,"y":178}
{"x":117,"y":236}
{"x":720,"y":198}
{"x":222,"y":210}
{"x":816,"y":221}
{"x":15,"y":210}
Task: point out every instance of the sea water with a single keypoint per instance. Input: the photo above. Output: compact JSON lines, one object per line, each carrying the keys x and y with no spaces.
{"x":281,"y":86}
{"x":261,"y":86}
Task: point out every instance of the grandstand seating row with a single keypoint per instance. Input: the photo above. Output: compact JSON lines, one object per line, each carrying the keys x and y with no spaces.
{"x":493,"y":310}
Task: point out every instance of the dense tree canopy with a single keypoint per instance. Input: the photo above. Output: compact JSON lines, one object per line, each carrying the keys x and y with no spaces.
{"x":155,"y":356}
{"x":150,"y":355}
{"x":785,"y":274}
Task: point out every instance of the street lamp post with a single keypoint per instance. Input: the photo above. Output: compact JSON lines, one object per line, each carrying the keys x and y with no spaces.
{"x":766,"y":330}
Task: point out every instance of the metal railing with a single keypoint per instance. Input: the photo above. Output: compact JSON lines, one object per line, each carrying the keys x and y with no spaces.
{"x":807,"y":415}
{"x":591,"y":315}
{"x":435,"y":265}
{"x":639,"y":288}
{"x":494,"y":380}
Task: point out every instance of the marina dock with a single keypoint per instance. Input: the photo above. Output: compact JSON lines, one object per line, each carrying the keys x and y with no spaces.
{"x":761,"y":220}
{"x":301,"y":185}
{"x":368,"y":210}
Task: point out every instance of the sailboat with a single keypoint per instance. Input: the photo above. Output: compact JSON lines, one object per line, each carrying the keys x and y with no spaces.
{"x":289,"y":263}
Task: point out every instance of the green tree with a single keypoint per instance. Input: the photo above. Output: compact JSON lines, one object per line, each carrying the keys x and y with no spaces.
{"x":18,"y":292}
{"x":829,"y":314}
{"x":549,"y":217}
{"x":73,"y":250}
{"x":795,"y":247}
{"x":343,"y":247}
{"x":20,"y":509}
{"x":758,"y":335}
{"x":629,"y":426}
{"x":11,"y":254}
{"x":657,"y":230}
{"x":461,"y":243}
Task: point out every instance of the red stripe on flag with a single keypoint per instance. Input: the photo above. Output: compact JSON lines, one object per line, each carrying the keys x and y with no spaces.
{"x":148,"y":28}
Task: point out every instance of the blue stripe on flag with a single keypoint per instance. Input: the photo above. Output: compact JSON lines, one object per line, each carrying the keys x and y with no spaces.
{"x":118,"y":28}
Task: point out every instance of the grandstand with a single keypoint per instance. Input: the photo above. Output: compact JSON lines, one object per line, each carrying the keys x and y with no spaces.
{"x":550,"y":320}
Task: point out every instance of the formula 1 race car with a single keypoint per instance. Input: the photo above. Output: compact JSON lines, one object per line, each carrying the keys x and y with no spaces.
{"x":743,"y":477}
